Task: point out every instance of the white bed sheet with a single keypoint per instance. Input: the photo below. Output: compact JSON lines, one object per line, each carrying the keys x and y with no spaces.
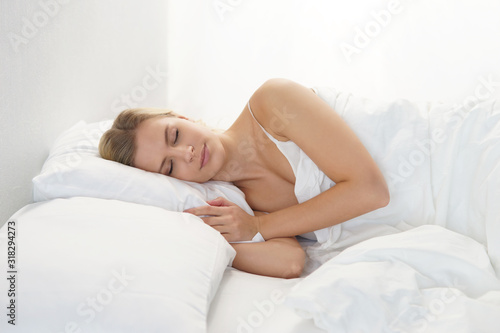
{"x":247,"y":303}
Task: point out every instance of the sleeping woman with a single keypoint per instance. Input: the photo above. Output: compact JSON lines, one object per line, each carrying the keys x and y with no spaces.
{"x":285,"y":139}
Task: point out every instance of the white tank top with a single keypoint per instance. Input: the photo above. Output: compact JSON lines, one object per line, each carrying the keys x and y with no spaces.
{"x":309,"y":180}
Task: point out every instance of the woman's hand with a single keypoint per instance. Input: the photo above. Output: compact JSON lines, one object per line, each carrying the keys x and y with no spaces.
{"x":228,"y":218}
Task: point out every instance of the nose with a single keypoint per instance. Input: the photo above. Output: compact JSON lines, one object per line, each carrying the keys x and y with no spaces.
{"x":184,"y":153}
{"x":188,"y":153}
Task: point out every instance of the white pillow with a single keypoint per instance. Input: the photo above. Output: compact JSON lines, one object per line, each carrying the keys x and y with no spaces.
{"x":74,"y":168}
{"x":94,"y":265}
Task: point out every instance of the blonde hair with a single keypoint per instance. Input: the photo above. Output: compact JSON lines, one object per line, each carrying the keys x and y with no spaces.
{"x":118,"y":143}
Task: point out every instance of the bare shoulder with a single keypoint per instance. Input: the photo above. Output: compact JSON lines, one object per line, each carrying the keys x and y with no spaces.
{"x":272,"y":105}
{"x":290,"y":111}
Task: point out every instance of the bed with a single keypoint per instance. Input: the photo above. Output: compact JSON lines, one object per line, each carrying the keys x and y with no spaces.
{"x":107,"y":248}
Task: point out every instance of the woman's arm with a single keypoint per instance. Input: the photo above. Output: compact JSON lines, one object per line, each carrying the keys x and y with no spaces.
{"x":323,"y":135}
{"x":278,"y":257}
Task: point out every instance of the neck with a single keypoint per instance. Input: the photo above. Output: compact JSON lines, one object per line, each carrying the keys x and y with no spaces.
{"x":239,"y":161}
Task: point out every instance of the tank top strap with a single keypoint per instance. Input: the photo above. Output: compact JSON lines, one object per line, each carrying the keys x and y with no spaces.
{"x":272,"y":138}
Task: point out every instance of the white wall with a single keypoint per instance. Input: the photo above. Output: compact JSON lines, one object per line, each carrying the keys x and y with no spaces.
{"x":432,"y":50}
{"x":64,"y":61}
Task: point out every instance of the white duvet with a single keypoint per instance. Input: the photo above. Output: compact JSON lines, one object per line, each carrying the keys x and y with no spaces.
{"x":430,"y":260}
{"x":442,"y":164}
{"x":428,"y":279}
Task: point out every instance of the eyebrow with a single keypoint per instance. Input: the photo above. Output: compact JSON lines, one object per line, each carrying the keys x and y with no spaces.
{"x":165,"y":159}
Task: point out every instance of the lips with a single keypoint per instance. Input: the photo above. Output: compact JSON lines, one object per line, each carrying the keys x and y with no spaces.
{"x":204,"y":156}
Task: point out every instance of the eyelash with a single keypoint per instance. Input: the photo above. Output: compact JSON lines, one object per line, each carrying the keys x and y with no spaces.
{"x":171,"y":161}
{"x":171,"y":167}
{"x":176,"y":135}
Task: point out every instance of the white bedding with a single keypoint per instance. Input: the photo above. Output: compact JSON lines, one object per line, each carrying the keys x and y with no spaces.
{"x":95,"y":265}
{"x":428,"y":279}
{"x":442,"y":164}
{"x":251,"y":303}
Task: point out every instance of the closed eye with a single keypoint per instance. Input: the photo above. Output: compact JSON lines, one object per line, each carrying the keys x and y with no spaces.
{"x":173,"y":142}
{"x":176,"y":135}
{"x":172,"y":161}
{"x":171,"y":167}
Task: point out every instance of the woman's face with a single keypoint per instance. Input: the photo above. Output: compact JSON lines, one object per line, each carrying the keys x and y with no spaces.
{"x":177,"y":147}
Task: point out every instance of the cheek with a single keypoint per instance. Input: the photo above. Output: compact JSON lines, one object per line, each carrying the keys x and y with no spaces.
{"x":188,"y":173}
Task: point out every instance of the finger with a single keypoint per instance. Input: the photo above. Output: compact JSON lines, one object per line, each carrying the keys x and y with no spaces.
{"x":213,"y":221}
{"x":220,"y":201}
{"x":221,"y":230}
{"x":204,"y":210}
